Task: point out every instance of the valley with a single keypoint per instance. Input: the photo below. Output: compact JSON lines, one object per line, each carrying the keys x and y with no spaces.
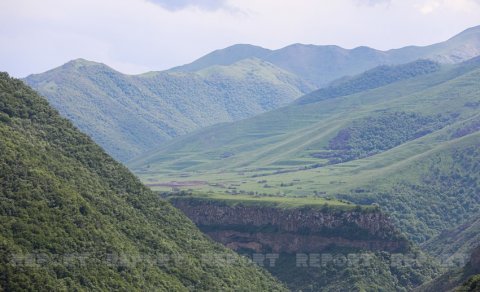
{"x":302,"y":168}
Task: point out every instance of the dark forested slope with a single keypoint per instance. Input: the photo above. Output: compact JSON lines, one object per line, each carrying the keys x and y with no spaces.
{"x":73,"y":218}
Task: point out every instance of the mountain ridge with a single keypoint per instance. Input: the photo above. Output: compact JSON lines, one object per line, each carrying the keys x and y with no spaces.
{"x":325,"y":63}
{"x":128,"y":114}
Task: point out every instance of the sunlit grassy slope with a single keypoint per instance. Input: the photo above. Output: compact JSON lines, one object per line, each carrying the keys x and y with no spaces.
{"x":357,"y":147}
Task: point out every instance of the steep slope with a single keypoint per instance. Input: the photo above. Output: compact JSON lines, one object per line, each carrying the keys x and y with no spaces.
{"x":465,"y":279}
{"x":321,"y":64}
{"x":371,"y":79}
{"x":74,"y":219}
{"x":382,"y":145}
{"x":128,"y":115}
{"x":454,"y":243}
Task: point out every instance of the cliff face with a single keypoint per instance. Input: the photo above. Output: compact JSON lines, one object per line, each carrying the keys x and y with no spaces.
{"x":270,"y":229}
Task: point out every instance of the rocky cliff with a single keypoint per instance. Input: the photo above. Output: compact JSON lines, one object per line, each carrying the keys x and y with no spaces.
{"x":292,"y":230}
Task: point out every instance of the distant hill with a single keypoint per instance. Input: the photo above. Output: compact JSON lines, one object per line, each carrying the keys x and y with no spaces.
{"x":74,"y":219}
{"x":225,"y":57}
{"x":322,"y":64}
{"x":128,"y":115}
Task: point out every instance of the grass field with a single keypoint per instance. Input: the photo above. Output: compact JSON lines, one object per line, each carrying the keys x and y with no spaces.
{"x":275,"y":202}
{"x":272,"y":153}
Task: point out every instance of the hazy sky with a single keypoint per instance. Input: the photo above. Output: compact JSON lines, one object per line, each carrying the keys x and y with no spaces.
{"x":135,"y":36}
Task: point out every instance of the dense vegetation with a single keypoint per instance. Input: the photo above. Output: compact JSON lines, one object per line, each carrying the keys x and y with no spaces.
{"x":463,"y":279}
{"x":455,"y":242}
{"x":471,"y":285}
{"x":374,"y":78}
{"x":74,"y":219}
{"x":355,"y":270}
{"x":128,"y":115}
{"x":432,"y":194}
{"x":369,"y":136}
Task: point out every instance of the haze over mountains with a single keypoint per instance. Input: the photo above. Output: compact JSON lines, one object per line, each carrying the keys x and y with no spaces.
{"x":129,"y":115}
{"x":323,"y":64}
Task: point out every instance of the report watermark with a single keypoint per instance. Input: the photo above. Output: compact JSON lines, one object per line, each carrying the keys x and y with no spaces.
{"x":223,"y":259}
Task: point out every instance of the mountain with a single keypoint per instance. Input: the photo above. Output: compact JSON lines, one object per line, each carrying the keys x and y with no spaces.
{"x":75,"y":219}
{"x":322,"y":64}
{"x":128,"y":115}
{"x":410,"y":146}
{"x":225,"y":57}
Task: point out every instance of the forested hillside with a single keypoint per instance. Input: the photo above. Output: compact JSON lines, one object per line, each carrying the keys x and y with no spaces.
{"x":130,"y":114}
{"x":72,"y":218}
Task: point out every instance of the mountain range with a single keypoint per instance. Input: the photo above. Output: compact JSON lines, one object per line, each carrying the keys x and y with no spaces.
{"x":130,"y":115}
{"x":322,"y":64}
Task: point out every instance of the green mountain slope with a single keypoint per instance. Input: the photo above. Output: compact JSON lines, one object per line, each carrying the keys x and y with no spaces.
{"x":74,"y":219}
{"x":465,"y":279}
{"x":373,"y":78}
{"x":454,"y":243}
{"x":321,"y":64}
{"x":376,"y":146}
{"x":128,"y":115}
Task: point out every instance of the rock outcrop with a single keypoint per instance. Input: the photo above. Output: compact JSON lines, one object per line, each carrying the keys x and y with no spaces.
{"x":290,"y":230}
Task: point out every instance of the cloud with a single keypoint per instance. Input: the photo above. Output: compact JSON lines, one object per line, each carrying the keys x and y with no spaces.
{"x":174,"y":5}
{"x":431,"y":6}
{"x":372,"y":2}
{"x":428,"y":7}
{"x":134,"y":36}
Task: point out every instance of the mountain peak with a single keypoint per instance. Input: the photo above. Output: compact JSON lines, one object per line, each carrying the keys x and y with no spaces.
{"x":80,"y":62}
{"x":468,"y":33}
{"x":226,"y":56}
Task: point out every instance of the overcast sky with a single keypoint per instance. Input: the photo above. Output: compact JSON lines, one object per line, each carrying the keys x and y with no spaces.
{"x":135,"y":36}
